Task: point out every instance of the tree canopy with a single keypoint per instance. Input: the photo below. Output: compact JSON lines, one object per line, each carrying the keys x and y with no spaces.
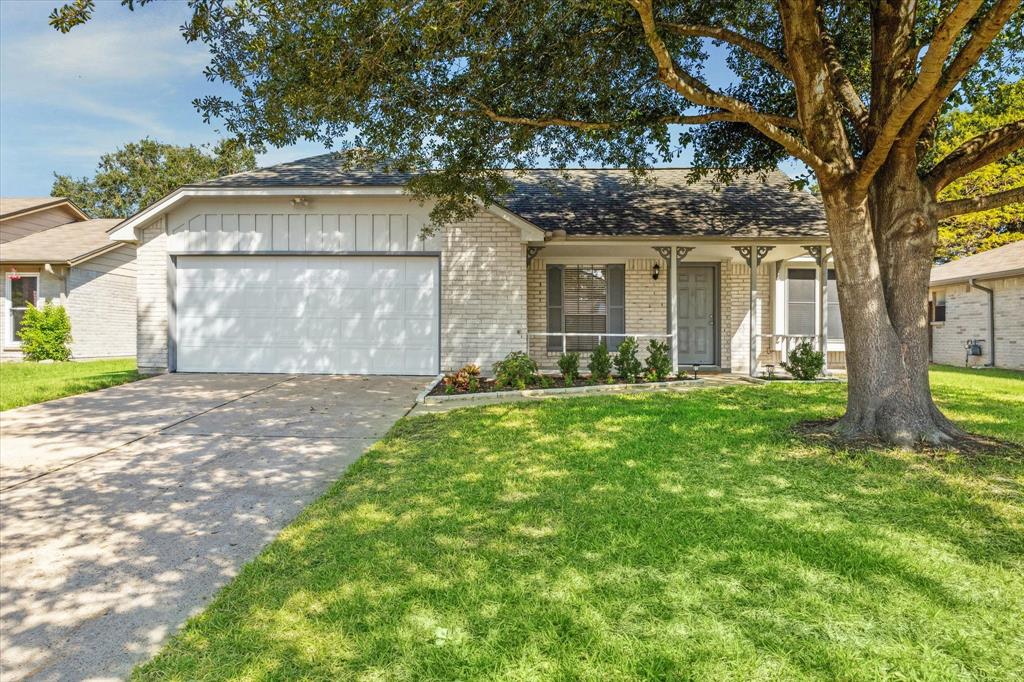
{"x":469,"y":87}
{"x":137,"y":174}
{"x":972,"y":233}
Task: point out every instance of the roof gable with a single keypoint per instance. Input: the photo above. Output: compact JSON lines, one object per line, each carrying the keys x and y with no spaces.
{"x":12,"y":207}
{"x":1005,"y":261}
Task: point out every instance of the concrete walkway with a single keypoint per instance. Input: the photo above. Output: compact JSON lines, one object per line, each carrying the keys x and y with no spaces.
{"x":123,"y":511}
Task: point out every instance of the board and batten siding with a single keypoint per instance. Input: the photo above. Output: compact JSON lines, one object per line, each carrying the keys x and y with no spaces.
{"x":328,"y":226}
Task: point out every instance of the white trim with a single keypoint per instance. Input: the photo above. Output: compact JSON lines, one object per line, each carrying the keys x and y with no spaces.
{"x":9,"y":340}
{"x":782,"y":310}
{"x":125,"y":230}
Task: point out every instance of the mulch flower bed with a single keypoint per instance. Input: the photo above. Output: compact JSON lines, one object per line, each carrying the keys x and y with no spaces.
{"x":488,"y":385}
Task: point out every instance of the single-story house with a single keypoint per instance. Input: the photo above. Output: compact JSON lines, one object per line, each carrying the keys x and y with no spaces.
{"x":978,"y":302}
{"x":51,"y":251}
{"x":311,"y":266}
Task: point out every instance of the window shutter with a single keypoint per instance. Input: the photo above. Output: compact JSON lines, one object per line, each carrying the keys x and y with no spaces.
{"x":616,"y":304}
{"x":554,"y":304}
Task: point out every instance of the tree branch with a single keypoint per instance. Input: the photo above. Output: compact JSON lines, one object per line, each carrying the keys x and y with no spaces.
{"x":551,"y":121}
{"x":928,"y":77}
{"x":759,"y":50}
{"x":697,"y":92}
{"x":976,"y":153}
{"x":841,"y":82}
{"x":948,"y":209}
{"x":990,"y":26}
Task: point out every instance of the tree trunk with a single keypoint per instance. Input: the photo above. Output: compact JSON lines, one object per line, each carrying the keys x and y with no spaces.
{"x":883,"y":299}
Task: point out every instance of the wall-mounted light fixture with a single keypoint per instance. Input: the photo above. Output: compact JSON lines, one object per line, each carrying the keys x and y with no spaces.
{"x":300,"y":202}
{"x":655,"y":271}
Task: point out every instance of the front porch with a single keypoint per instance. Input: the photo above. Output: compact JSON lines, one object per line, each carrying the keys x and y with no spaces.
{"x":702,"y":297}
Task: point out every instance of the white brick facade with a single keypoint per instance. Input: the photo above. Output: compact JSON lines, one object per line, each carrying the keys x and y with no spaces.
{"x":483,"y":292}
{"x":967,"y":317}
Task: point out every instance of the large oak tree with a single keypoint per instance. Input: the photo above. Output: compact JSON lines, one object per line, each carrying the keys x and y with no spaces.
{"x":853,"y":89}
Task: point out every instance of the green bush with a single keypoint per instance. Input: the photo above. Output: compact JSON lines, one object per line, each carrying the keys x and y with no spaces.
{"x":569,"y":366}
{"x":659,"y":363}
{"x":517,"y":369}
{"x":600,"y":365}
{"x":627,"y":365}
{"x":46,"y":333}
{"x":804,"y":362}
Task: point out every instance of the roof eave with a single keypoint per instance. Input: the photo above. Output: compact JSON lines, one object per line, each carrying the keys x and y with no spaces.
{"x":964,"y":279}
{"x":58,"y":201}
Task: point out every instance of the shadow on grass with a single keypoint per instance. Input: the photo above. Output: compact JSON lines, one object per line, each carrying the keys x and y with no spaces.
{"x":609,"y":538}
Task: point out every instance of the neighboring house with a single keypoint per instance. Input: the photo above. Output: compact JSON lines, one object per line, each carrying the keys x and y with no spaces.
{"x":311,"y":267}
{"x":51,"y":251}
{"x":979,"y":300}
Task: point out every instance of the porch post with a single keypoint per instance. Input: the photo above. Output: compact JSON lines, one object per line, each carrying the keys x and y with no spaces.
{"x":673,"y":297}
{"x":820,"y":255}
{"x":753,"y":255}
{"x":752,"y":262}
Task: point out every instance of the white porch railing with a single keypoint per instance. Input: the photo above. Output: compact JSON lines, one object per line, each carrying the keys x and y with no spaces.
{"x":785,"y":343}
{"x":600,"y":337}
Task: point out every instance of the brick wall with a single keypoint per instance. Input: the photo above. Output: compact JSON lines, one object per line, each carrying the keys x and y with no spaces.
{"x":151,"y":291}
{"x":967,"y":317}
{"x":102,"y":306}
{"x":483,"y":292}
{"x":736,"y":314}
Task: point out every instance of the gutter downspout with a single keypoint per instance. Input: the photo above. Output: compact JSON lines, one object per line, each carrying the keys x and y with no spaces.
{"x":991,"y":320}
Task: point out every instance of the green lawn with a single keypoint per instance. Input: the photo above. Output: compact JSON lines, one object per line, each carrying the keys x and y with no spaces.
{"x":647,"y":536}
{"x":27,"y":383}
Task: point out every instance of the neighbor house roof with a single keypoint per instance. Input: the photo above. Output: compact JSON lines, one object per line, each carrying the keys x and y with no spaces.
{"x":69,"y":243}
{"x":597,"y":202}
{"x":1006,"y":261}
{"x":11,"y":207}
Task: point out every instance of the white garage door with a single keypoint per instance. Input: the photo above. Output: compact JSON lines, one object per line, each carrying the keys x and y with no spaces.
{"x":321,"y":315}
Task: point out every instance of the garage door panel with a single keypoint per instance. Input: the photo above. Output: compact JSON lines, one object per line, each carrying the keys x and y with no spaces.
{"x":307,"y":314}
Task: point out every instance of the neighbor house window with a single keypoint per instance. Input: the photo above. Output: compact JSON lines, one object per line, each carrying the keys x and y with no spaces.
{"x":585,"y":304}
{"x":835,"y":322}
{"x":21,"y":290}
{"x":939,"y":307}
{"x":801,"y":297}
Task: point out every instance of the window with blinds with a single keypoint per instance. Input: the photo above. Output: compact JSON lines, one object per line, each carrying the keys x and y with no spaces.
{"x":585,"y":301}
{"x":800,"y":301}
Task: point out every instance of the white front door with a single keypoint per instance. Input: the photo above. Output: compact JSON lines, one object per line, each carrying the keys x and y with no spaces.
{"x":307,"y":314}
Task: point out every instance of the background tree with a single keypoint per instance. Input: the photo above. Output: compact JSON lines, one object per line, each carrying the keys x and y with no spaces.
{"x":139,"y":173}
{"x":976,"y":232}
{"x":469,"y":88}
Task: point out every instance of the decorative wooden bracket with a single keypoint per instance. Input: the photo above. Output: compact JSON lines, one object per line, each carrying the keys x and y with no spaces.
{"x":681,"y":253}
{"x":531,"y":253}
{"x":748,"y":255}
{"x":665,"y":252}
{"x":818,"y":253}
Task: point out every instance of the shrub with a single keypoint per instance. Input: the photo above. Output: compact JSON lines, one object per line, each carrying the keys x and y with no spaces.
{"x":804,"y":362}
{"x":466,"y":379}
{"x":517,"y":369}
{"x":627,"y":365}
{"x":659,"y":363}
{"x":46,"y":333}
{"x":569,"y":366}
{"x":600,"y":365}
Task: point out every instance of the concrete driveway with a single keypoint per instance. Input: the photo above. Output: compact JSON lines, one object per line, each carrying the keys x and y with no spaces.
{"x":123,"y":511}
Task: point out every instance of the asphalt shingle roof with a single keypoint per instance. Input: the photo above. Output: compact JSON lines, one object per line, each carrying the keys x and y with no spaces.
{"x":599,"y":202}
{"x":61,"y":244}
{"x":1006,"y":261}
{"x":12,"y":206}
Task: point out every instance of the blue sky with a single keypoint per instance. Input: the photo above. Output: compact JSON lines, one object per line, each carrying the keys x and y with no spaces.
{"x":67,"y":99}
